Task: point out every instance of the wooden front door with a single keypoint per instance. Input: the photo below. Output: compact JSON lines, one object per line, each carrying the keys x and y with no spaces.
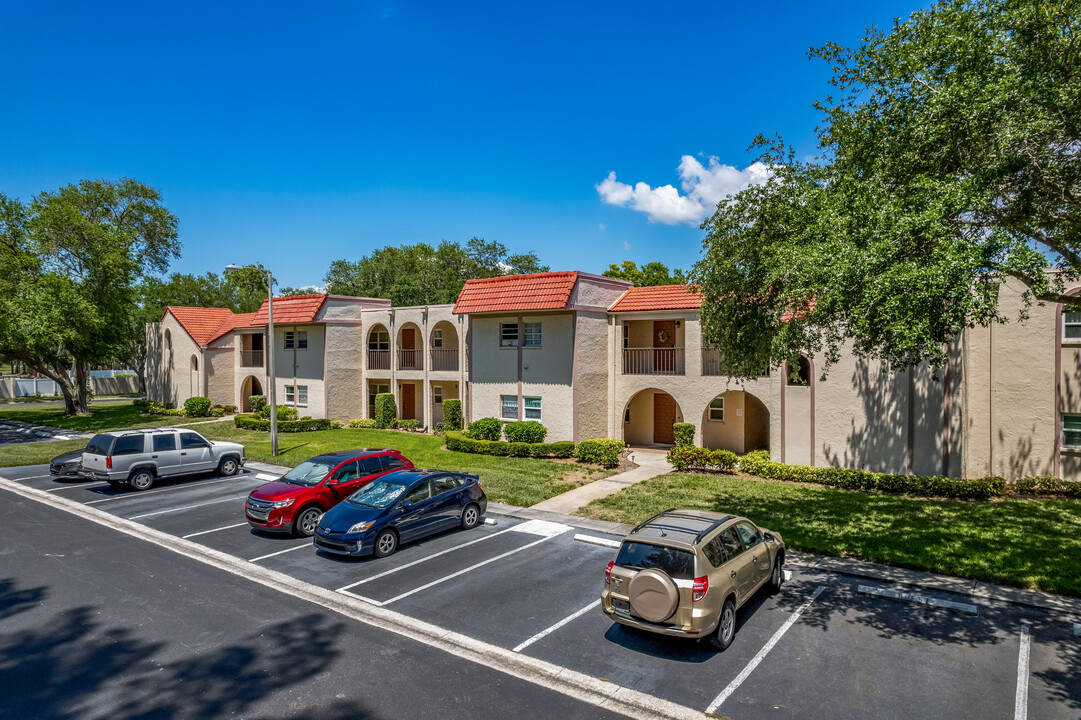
{"x":664,"y":347}
{"x":664,"y":414}
{"x":409,"y":402}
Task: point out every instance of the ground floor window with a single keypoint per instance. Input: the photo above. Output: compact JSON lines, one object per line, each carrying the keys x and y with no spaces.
{"x":716,"y":409}
{"x":509,"y":405}
{"x":437,"y":394}
{"x":532,"y":408}
{"x":1071,"y":431}
{"x":373,"y":390}
{"x":297,"y":395}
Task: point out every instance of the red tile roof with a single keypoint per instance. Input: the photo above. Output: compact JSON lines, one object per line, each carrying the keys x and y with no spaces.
{"x":294,"y":309}
{"x":536,"y":291}
{"x":236,"y":321}
{"x":659,"y":297}
{"x":201,"y":323}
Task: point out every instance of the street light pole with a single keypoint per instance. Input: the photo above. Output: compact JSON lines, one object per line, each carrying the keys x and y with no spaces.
{"x":272,"y":394}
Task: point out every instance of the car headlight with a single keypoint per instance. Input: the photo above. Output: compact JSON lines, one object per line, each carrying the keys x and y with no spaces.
{"x":284,"y":503}
{"x":359,"y":527}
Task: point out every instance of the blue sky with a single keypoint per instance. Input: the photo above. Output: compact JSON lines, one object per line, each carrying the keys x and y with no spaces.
{"x":294,"y":134}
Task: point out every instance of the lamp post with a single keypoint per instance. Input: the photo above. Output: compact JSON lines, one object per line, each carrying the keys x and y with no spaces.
{"x":272,"y":396}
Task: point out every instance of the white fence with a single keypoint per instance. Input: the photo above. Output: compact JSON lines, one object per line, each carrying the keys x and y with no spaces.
{"x":15,"y":387}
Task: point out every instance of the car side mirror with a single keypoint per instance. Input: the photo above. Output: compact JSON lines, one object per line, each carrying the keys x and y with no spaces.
{"x":768,"y":537}
{"x":407,"y":506}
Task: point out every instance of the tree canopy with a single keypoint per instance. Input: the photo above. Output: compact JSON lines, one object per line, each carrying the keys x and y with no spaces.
{"x":649,"y":275}
{"x":951,"y":159}
{"x":420,"y":274}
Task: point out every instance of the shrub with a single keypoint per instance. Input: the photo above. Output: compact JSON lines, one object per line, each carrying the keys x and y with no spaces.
{"x":336,"y":424}
{"x":518,"y":449}
{"x":603,"y":451}
{"x":460,"y":442}
{"x":216,"y":412}
{"x":250,"y":422}
{"x":362,"y":423}
{"x":285,"y":412}
{"x":258,"y":402}
{"x":688,"y":457}
{"x":529,"y":431}
{"x":684,"y":433}
{"x":488,"y":428}
{"x":452,"y":413}
{"x":229,"y":409}
{"x":140,"y":403}
{"x":440,"y":428}
{"x":1046,"y":485}
{"x":408,"y":425}
{"x":197,"y":406}
{"x":158,"y":408}
{"x":559,"y":449}
{"x":386,"y":412}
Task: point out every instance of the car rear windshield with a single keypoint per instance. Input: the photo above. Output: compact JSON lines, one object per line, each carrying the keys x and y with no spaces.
{"x":677,"y":564}
{"x":100,"y":445}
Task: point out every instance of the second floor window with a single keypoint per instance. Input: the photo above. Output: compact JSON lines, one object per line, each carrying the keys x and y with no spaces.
{"x":508,"y":334}
{"x":437,"y":338}
{"x":380,"y":340}
{"x":1071,"y":325}
{"x":296,"y":339}
{"x":532,"y":335}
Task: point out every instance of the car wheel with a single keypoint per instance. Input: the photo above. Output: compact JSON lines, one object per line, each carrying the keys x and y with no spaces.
{"x":726,"y":628}
{"x":141,"y":480}
{"x":776,"y":577}
{"x":228,"y":466}
{"x":307,"y":521}
{"x":386,"y":543}
{"x":470,"y":516}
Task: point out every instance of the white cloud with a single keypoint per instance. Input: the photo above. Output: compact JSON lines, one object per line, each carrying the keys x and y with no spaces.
{"x":703,"y":187}
{"x":601,"y":227}
{"x":626,"y":245}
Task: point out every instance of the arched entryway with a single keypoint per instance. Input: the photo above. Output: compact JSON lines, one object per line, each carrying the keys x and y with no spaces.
{"x":648,"y":418}
{"x":735,"y":420}
{"x":250,"y":386}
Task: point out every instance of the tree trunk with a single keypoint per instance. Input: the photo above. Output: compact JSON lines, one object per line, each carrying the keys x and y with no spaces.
{"x":82,"y":377}
{"x":60,"y":377}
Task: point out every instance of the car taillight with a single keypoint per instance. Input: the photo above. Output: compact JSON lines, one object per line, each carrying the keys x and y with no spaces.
{"x":608,"y":572}
{"x":700,"y":588}
{"x":109,"y":462}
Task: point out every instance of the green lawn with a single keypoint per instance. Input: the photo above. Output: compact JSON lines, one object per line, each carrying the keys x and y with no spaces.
{"x":1025,"y":543}
{"x":517,"y":481}
{"x":112,"y":415}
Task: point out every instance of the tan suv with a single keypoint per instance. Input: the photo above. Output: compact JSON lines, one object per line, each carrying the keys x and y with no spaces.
{"x":686,"y":573}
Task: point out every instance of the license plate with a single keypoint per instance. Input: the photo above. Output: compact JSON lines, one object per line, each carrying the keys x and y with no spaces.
{"x":623,"y":606}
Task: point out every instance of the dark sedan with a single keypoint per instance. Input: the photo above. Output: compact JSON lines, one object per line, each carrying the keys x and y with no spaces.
{"x":68,"y":466}
{"x":398,"y":508}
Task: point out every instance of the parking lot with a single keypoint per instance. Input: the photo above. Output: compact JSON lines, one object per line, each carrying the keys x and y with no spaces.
{"x":819,"y":648}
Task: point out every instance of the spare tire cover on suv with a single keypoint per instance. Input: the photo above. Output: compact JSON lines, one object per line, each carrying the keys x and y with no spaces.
{"x":653,"y":595}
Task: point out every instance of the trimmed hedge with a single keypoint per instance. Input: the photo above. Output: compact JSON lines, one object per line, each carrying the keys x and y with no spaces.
{"x":250,"y":422}
{"x":684,"y":434}
{"x":153,"y":407}
{"x":458,"y":442}
{"x":688,"y":457}
{"x":488,"y":428}
{"x":362,"y":423}
{"x":409,"y":425}
{"x":758,"y":463}
{"x":527,"y":431}
{"x":1046,"y":485}
{"x":285,"y":412}
{"x":452,"y":414}
{"x":604,"y":451}
{"x":386,"y":412}
{"x":197,"y":406}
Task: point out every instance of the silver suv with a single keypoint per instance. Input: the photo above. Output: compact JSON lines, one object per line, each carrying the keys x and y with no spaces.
{"x":138,"y":457}
{"x":686,"y":573}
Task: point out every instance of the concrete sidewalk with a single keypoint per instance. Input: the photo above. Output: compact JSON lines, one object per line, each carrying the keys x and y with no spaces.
{"x":651,"y":463}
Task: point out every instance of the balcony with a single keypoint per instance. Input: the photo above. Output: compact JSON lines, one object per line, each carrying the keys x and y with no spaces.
{"x":251,"y":358}
{"x":711,"y":362}
{"x":410,"y":360}
{"x":379,"y":359}
{"x":654,"y":361}
{"x":444,"y":359}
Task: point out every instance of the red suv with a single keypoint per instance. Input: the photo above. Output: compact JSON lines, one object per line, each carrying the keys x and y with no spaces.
{"x":295,"y":502}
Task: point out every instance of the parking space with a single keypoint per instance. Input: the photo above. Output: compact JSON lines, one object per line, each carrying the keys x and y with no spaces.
{"x":820,"y":647}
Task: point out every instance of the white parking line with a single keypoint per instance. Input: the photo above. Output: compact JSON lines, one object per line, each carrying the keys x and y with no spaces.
{"x":231,"y":498}
{"x":33,"y":477}
{"x":280,"y":552}
{"x":734,"y":685}
{"x":558,"y":625}
{"x":1077,"y":629}
{"x":422,"y":560}
{"x":441,"y":580}
{"x":80,"y":485}
{"x":265,"y":476}
{"x":1020,"y":702}
{"x":207,"y":532}
{"x":603,"y":542}
{"x":144,"y":493}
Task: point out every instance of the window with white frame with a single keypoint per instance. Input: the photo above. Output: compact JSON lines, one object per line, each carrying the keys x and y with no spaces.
{"x":302,"y":394}
{"x":296,"y":339}
{"x":716,"y":409}
{"x":437,"y":394}
{"x":532,"y":335}
{"x":1071,"y":431}
{"x":296,"y":395}
{"x":437,"y":338}
{"x":1071,"y":325}
{"x":508,"y":407}
{"x":508,"y":334}
{"x":532,"y":408}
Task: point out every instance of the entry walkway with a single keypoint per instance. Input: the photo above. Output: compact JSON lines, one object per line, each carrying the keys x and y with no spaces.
{"x":651,"y":463}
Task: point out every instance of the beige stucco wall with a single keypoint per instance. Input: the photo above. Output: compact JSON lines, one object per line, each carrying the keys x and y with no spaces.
{"x":176,"y":375}
{"x":596,"y":291}
{"x":591,"y":348}
{"x":242,"y":373}
{"x":344,"y":371}
{"x":221,"y":359}
{"x":745,"y":426}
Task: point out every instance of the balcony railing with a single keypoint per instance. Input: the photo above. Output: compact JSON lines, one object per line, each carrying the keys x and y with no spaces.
{"x":654,"y":361}
{"x":251,"y":358}
{"x":379,"y":359}
{"x":410,"y":360}
{"x":444,"y":359}
{"x":711,"y":362}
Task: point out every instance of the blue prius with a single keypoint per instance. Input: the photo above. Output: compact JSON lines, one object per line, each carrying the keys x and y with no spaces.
{"x":399,"y":508}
